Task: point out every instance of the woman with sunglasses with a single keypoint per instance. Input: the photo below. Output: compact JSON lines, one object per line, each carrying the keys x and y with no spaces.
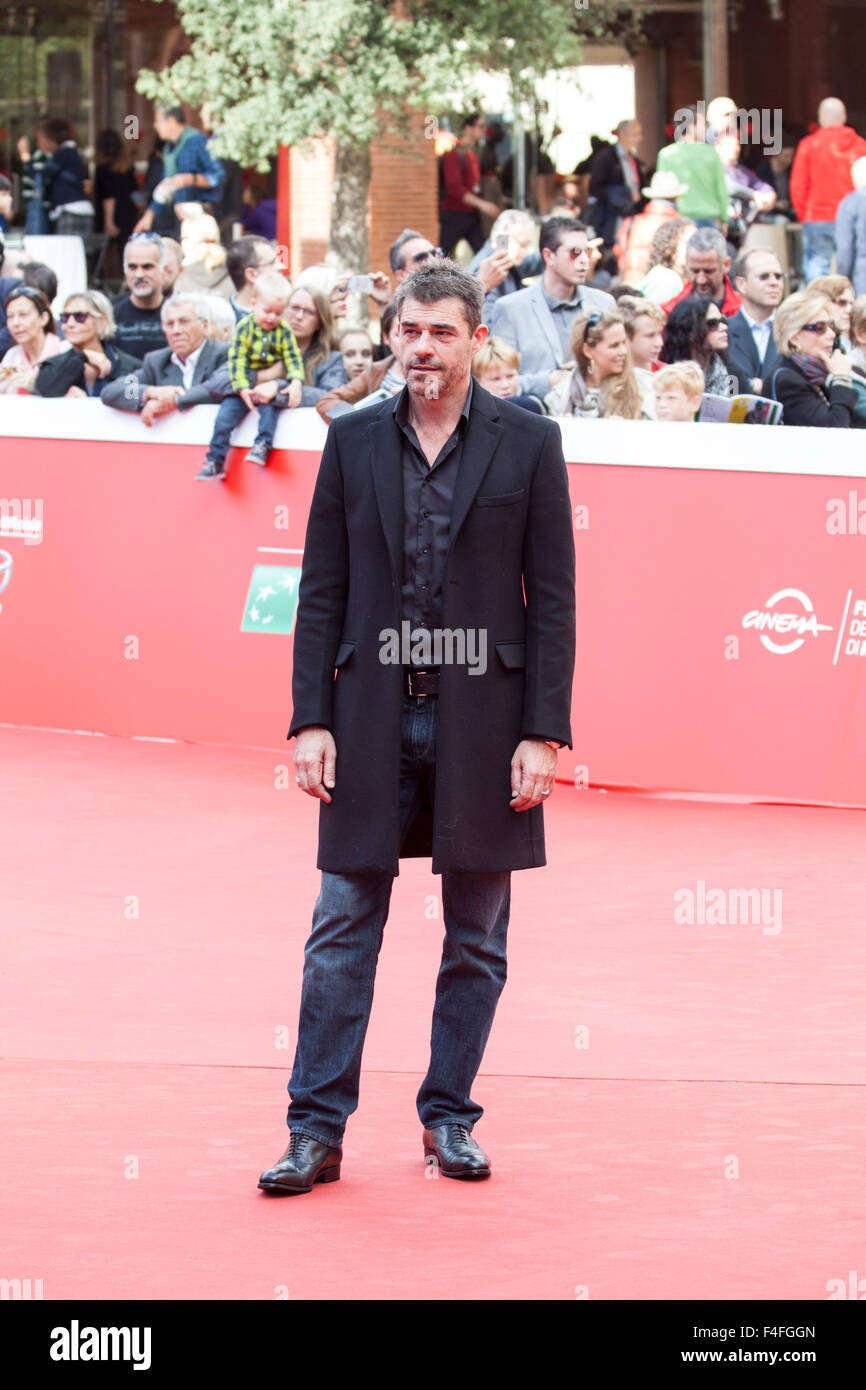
{"x":602,"y":384}
{"x":697,"y":331}
{"x":87,"y":321}
{"x":840,"y":292}
{"x":31,"y":325}
{"x":813,"y":384}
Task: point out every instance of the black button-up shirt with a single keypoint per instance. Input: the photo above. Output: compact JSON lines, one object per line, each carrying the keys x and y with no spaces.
{"x":428,"y":492}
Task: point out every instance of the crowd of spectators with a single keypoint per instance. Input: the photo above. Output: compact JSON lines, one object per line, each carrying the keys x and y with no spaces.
{"x":658,"y":305}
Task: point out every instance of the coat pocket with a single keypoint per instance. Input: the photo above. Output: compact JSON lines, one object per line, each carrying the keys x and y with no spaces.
{"x":502,"y":500}
{"x":511,"y":654}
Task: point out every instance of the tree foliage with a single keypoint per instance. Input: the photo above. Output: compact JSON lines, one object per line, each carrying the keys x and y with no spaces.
{"x":288,"y":71}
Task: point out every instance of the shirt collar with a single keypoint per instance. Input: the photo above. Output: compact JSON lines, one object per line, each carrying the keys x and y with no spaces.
{"x":552,"y":303}
{"x":753,"y":323}
{"x":400,"y":407}
{"x":192,"y":358}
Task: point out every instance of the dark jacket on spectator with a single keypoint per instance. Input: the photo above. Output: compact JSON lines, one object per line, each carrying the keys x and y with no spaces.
{"x":808,"y":404}
{"x":851,"y":239}
{"x":67,"y":369}
{"x":7,"y":285}
{"x":64,"y":174}
{"x":742,"y":355}
{"x":157,"y":369}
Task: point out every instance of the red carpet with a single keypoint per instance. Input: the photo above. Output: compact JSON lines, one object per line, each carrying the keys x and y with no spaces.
{"x":673,"y":1110}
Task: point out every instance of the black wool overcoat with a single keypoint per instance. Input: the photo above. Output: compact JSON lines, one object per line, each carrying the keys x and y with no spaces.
{"x":509,"y":571}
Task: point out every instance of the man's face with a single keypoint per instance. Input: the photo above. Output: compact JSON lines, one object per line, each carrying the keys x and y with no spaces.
{"x":646,"y":340}
{"x":674,"y":404}
{"x":570,"y":260}
{"x":632,"y":136}
{"x":166,"y":127}
{"x":183,"y":329}
{"x":419,"y":247}
{"x":435,"y":347}
{"x":268,"y":310}
{"x":143,"y":271}
{"x":357,"y":353}
{"x":473,"y":134}
{"x":501,"y":380}
{"x":763,"y":285}
{"x":266,"y":259}
{"x":172,"y":267}
{"x":706,"y":272}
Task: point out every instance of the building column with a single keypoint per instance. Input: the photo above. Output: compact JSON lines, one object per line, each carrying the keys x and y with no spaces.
{"x":715,"y":48}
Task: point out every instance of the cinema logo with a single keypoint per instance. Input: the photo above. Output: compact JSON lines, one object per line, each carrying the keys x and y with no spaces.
{"x":793,"y":623}
{"x":21,"y":517}
{"x":438,"y":646}
{"x":76,"y":1343}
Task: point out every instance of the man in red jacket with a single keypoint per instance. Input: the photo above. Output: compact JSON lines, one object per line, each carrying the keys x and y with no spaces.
{"x":707,"y":266}
{"x":460,"y":182}
{"x":820,"y":179}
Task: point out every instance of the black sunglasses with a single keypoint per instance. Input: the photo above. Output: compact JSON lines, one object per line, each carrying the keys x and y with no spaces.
{"x":422,"y":256}
{"x":716,"y":323}
{"x":79,"y":315}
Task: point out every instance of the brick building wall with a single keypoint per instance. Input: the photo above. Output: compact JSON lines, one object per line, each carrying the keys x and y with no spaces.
{"x":403,"y":193}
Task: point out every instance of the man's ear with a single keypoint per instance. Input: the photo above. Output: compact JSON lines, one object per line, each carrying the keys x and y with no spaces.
{"x":738,"y":283}
{"x":726,"y":265}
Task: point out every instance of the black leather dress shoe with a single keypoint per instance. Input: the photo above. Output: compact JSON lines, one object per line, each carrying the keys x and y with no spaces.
{"x":452,"y":1147}
{"x":304,"y":1163}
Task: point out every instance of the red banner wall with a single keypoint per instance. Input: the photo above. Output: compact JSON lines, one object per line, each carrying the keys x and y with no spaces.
{"x":721,"y":600}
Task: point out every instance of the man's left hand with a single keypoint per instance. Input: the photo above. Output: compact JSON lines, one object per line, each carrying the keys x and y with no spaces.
{"x":533,"y":769}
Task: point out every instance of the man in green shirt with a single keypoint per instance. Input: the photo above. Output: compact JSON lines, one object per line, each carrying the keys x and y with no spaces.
{"x":698,"y":164}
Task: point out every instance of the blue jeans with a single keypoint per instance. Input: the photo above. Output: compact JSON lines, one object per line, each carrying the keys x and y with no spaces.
{"x":232,"y":410}
{"x":819,"y":247}
{"x":340,"y":969}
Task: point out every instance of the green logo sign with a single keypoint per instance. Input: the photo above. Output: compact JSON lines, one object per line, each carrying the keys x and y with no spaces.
{"x":272,"y":599}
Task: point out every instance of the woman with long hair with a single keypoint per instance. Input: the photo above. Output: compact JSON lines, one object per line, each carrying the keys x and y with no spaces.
{"x":602,"y":383}
{"x":312,"y":322}
{"x":697,"y":331}
{"x":32,"y":329}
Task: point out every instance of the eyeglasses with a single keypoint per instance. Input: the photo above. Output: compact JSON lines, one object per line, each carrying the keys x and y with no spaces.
{"x":79,"y":315}
{"x":823,"y":326}
{"x":422,"y":256}
{"x":595,"y":317}
{"x":716,"y":323}
{"x":574,"y":251}
{"x":144,"y":236}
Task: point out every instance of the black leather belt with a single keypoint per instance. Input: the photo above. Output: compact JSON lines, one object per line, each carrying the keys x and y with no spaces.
{"x":421,"y":682}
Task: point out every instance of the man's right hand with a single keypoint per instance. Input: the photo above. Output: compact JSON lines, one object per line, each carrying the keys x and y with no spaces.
{"x":315,"y":762}
{"x":493,"y":270}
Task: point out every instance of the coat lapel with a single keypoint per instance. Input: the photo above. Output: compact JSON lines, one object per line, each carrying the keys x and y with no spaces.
{"x":545,"y":321}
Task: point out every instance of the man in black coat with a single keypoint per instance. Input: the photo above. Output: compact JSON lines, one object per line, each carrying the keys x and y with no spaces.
{"x":752,"y":353}
{"x":438,"y":583}
{"x":617,"y":176}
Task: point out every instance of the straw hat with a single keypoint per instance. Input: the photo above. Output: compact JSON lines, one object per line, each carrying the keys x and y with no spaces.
{"x":664,"y":184}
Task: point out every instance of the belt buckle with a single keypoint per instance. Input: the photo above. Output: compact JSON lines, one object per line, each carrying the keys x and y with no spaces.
{"x":409,"y":675}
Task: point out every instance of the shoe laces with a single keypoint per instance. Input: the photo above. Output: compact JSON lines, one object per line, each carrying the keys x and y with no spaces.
{"x":298,"y":1143}
{"x":460,"y":1133}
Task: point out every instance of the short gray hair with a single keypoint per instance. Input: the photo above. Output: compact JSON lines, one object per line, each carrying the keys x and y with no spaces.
{"x":146,"y":239}
{"x":198,"y":302}
{"x":708,"y":239}
{"x":100,"y":304}
{"x":443,"y":279}
{"x":512,"y":222}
